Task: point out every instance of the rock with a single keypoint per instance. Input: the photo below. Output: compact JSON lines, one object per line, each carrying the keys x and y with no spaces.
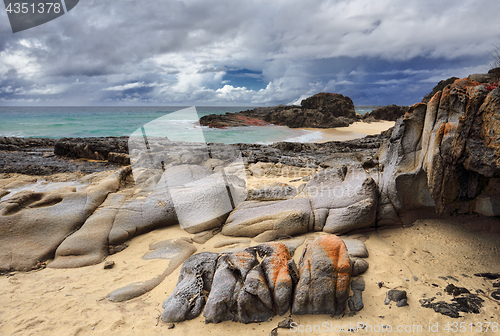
{"x":267,"y":221}
{"x":439,"y":87}
{"x":323,"y":110}
{"x":121,"y":158}
{"x":355,"y":302}
{"x":247,"y":291}
{"x":90,"y":148}
{"x":395,"y":295}
{"x":324,"y":277}
{"x":389,"y":112}
{"x":285,"y":324}
{"x":203,"y":203}
{"x":232,"y":270}
{"x":280,"y":273}
{"x":168,"y":249}
{"x":109,"y":264}
{"x":203,"y":237}
{"x":272,"y":193}
{"x":356,"y":248}
{"x":443,"y":156}
{"x":469,"y":303}
{"x":144,"y":211}
{"x":188,"y":299}
{"x":343,"y":199}
{"x":89,"y":245}
{"x":33,"y":224}
{"x":136,"y":289}
{"x":359,"y":266}
{"x":451,"y":289}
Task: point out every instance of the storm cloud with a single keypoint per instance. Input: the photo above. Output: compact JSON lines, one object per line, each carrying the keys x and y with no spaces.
{"x":129,"y":52}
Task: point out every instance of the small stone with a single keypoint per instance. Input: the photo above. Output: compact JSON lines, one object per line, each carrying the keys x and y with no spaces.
{"x":171,"y":326}
{"x":496,"y":295}
{"x":109,"y":264}
{"x":415,"y":278}
{"x":285,"y":324}
{"x":395,"y":295}
{"x":402,"y":303}
{"x":274,"y":332}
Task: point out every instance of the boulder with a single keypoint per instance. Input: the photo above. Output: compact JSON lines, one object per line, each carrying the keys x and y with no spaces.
{"x":343,"y":198}
{"x":389,"y":112}
{"x":324,"y":278}
{"x":267,"y":221}
{"x":443,"y":156}
{"x":188,"y":299}
{"x":33,"y":224}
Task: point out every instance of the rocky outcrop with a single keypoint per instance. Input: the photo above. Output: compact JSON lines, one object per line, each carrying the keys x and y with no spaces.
{"x":324,"y":278}
{"x":34,"y":224}
{"x":91,"y":148}
{"x":242,"y":289}
{"x":323,"y":110}
{"x":389,"y":112}
{"x":444,"y":156}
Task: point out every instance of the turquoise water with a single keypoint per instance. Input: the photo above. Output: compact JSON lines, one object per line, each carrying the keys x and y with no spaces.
{"x":58,"y":122}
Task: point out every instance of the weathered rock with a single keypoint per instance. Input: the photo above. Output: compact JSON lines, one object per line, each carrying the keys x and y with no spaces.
{"x":359,"y":266}
{"x":323,"y":110}
{"x":356,"y":248}
{"x":324,"y":277}
{"x":280,"y":272}
{"x":144,"y":211}
{"x":90,"y":148}
{"x":136,"y":289}
{"x":203,"y":202}
{"x":267,"y":221}
{"x":33,"y":224}
{"x":395,"y":295}
{"x":355,"y":302}
{"x":343,"y":199}
{"x":272,"y":193}
{"x":188,"y":299}
{"x":389,"y":112}
{"x":444,"y":155}
{"x":229,"y":280}
{"x":89,"y":245}
{"x":439,"y":87}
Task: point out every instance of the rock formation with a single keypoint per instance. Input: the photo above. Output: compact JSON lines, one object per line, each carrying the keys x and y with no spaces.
{"x":389,"y":112}
{"x":242,"y":289}
{"x":323,"y":110}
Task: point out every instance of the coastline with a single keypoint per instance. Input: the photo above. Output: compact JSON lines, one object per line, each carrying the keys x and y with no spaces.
{"x":354,"y":131}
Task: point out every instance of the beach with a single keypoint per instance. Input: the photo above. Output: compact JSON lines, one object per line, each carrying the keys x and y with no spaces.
{"x":70,"y":249}
{"x":416,"y":259}
{"x":354,"y":131}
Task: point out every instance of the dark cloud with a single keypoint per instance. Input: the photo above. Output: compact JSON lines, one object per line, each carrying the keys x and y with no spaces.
{"x":252,"y":52}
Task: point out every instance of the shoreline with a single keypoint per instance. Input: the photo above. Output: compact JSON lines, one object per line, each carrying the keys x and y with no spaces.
{"x":354,"y":131}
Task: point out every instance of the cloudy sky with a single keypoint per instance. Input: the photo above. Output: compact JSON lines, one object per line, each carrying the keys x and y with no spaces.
{"x":232,"y":52}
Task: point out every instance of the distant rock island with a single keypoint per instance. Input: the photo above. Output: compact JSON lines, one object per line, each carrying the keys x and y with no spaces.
{"x":323,"y":110}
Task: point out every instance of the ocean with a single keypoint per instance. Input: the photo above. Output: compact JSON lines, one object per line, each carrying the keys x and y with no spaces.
{"x":59,"y":122}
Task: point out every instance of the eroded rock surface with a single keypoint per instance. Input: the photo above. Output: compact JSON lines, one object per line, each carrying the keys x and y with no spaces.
{"x":324,"y":278}
{"x":259,"y":282}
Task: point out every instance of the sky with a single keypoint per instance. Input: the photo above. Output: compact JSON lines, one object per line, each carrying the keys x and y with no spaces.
{"x":244,"y":53}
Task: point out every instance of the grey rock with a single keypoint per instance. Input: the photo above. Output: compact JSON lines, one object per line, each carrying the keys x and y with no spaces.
{"x":355,"y":302}
{"x":188,"y":299}
{"x":267,"y":221}
{"x":324,"y":259}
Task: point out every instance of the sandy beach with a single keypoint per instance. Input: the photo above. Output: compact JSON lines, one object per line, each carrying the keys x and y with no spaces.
{"x":354,"y":131}
{"x":416,"y":259}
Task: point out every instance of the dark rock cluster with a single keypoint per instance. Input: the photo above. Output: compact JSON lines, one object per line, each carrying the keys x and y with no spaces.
{"x":262,"y":281}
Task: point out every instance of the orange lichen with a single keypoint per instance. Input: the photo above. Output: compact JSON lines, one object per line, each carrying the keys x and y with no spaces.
{"x":252,"y":121}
